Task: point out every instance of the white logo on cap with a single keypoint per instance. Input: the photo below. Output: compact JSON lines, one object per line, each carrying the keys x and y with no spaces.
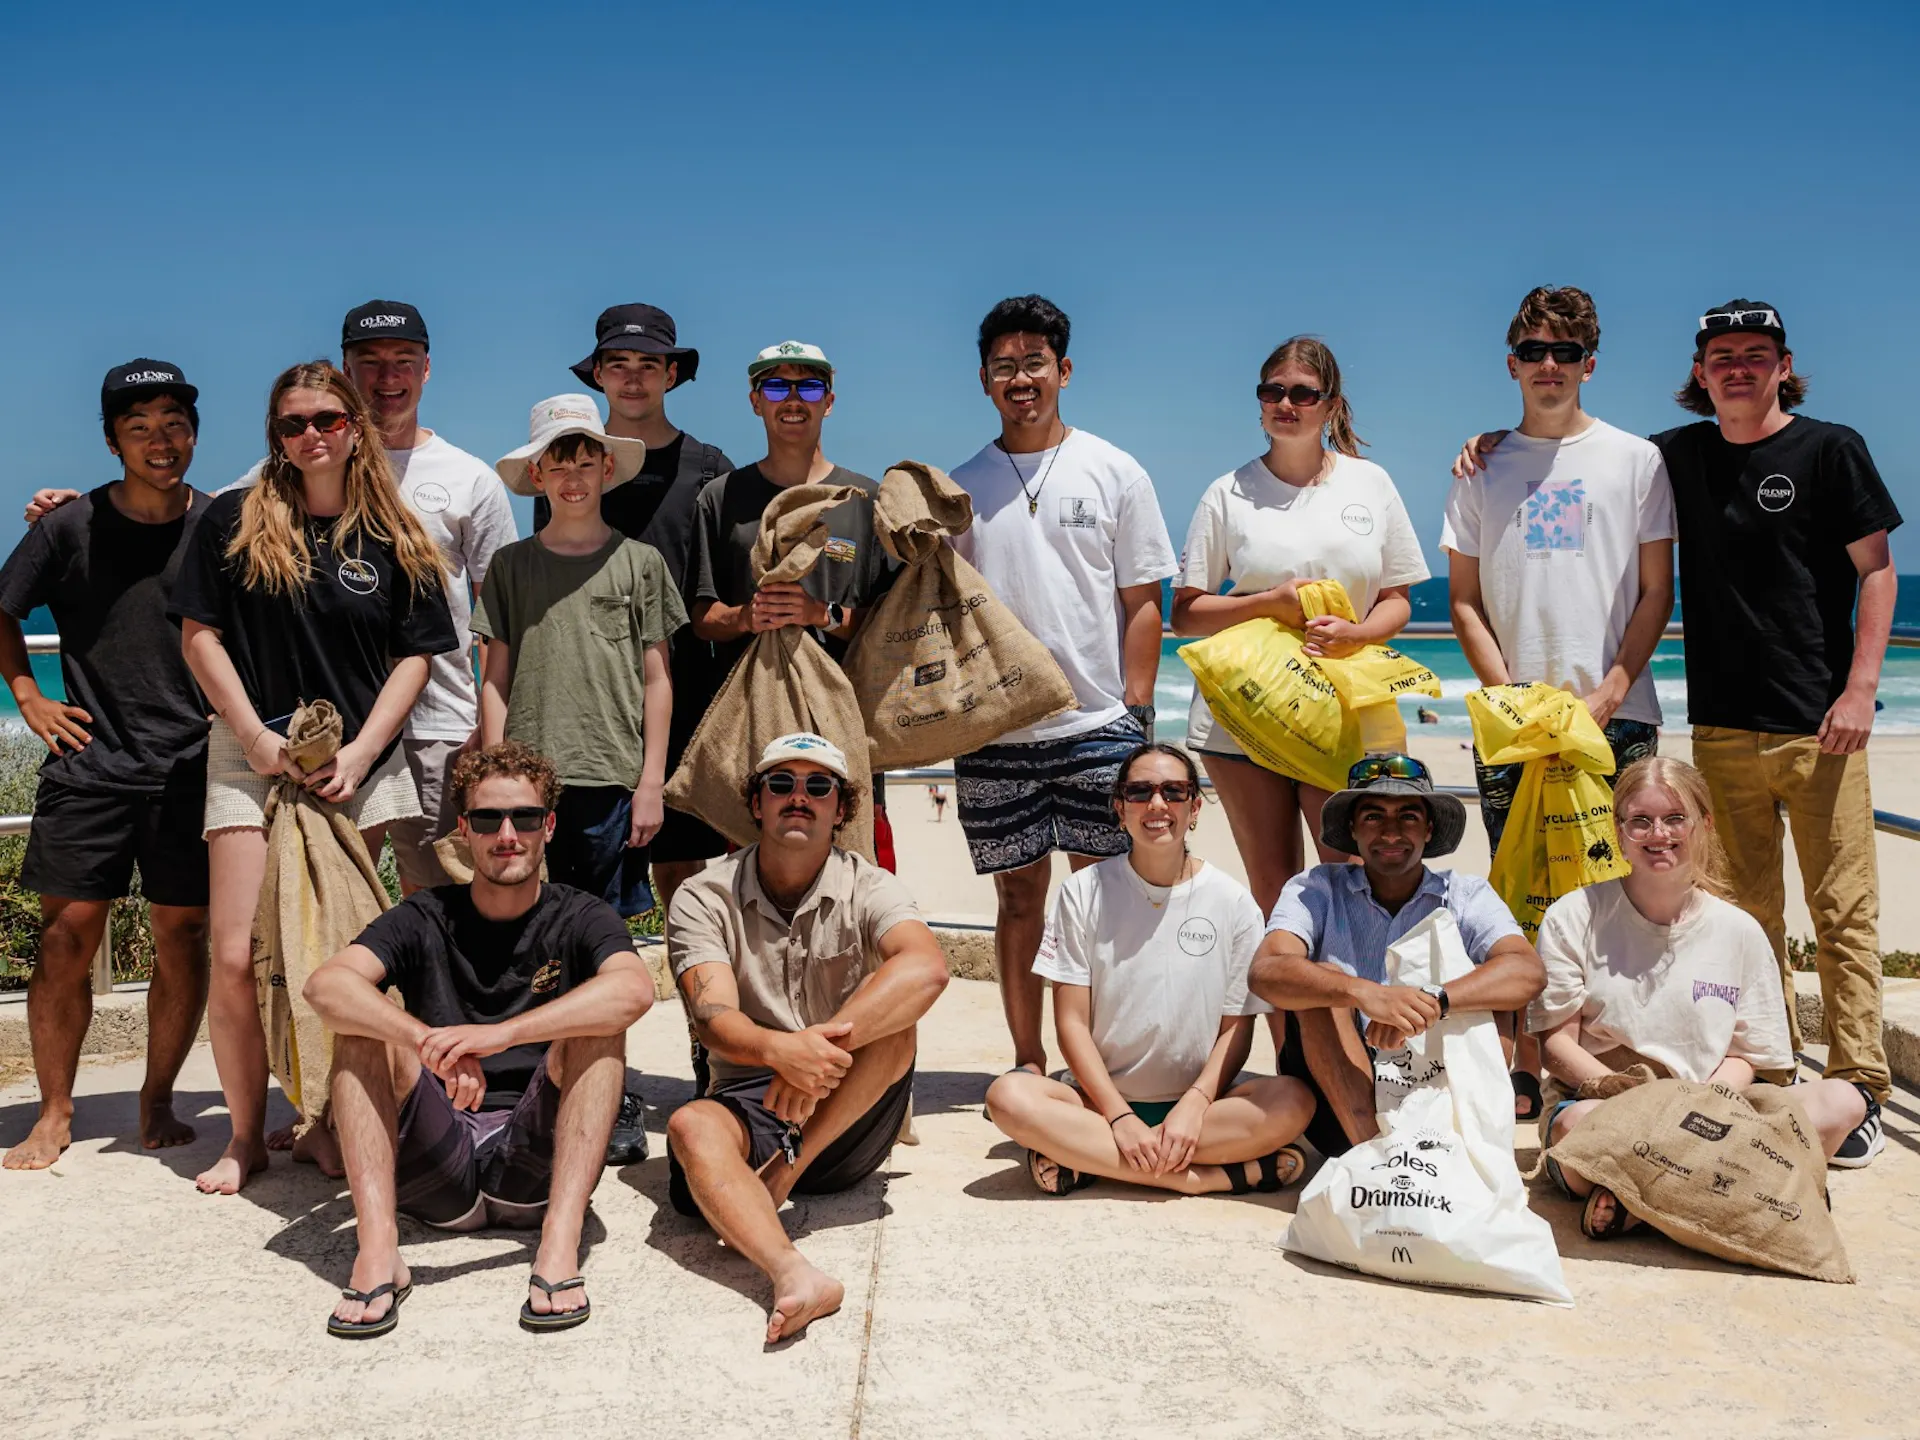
{"x":150,"y":377}
{"x":1775,"y":493}
{"x":570,"y":412}
{"x":634,"y":330}
{"x":790,"y":347}
{"x":382,"y":322}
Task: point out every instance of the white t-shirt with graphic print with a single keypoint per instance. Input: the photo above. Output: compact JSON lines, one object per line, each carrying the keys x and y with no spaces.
{"x":1687,"y":995}
{"x":1259,"y":532}
{"x":1557,"y":526}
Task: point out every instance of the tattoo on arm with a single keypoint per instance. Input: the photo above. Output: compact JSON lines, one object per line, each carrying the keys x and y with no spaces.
{"x":705,"y":1011}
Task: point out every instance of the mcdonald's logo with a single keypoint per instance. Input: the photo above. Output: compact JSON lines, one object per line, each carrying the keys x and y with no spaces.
{"x":1402,"y":1255}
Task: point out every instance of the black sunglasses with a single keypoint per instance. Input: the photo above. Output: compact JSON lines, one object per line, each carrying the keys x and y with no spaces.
{"x":327,"y":422}
{"x":1300,"y":395}
{"x":526,"y":819}
{"x":785,"y":782}
{"x":777,"y":388}
{"x":1567,"y":352}
{"x":1141,"y":792}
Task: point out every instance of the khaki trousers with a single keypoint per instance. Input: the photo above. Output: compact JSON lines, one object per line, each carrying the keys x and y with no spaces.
{"x":1752,"y":775}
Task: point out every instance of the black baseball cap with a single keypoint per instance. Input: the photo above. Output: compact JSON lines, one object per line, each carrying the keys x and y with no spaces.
{"x":382,"y":320}
{"x":645,"y":328}
{"x":124,"y":382}
{"x":1741,"y":317}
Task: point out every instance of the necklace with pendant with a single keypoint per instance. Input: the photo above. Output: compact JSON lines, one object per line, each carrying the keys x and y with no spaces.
{"x":1033,"y":495}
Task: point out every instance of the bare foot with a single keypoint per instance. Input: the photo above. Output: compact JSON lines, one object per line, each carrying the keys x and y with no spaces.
{"x":320,"y":1146}
{"x":801,"y":1296}
{"x":281,"y":1139}
{"x":160,"y":1128}
{"x":50,"y":1135}
{"x":237,"y":1164}
{"x":369,"y":1275}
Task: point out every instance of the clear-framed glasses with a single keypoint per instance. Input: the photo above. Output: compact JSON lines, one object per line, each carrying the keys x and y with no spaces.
{"x":1033,"y":366}
{"x":1645,"y":827}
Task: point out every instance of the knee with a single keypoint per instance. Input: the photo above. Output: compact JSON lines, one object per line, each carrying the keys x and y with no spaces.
{"x":1283,"y":1098}
{"x":1011,"y":1098}
{"x":175,"y":931}
{"x":696,"y":1129}
{"x":895,"y":1052}
{"x":68,"y":937}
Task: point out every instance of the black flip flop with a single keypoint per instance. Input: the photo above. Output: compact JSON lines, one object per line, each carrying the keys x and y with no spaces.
{"x":368,"y":1329}
{"x":1065,"y":1181}
{"x":1526,"y":1086}
{"x":1269,"y":1180}
{"x":531,"y":1319}
{"x":1622,"y":1222}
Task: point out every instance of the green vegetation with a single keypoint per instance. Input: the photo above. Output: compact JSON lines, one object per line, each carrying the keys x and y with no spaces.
{"x":1894,"y":964}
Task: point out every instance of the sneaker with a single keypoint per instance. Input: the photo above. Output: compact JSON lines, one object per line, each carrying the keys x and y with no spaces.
{"x":1866,"y":1140}
{"x":628,"y":1143}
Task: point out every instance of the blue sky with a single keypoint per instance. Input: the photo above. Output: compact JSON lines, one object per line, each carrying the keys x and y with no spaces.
{"x":216,"y":185}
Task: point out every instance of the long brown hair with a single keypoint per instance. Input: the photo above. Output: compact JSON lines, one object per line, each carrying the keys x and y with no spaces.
{"x":270,"y":542}
{"x":1313,"y":354}
{"x":1710,"y":869}
{"x":1693,"y":395}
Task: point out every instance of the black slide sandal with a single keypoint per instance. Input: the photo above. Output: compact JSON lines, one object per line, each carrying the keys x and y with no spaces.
{"x":1269,"y":1181}
{"x":531,"y":1319}
{"x":1526,"y":1086}
{"x":1065,"y":1181}
{"x":368,"y":1329}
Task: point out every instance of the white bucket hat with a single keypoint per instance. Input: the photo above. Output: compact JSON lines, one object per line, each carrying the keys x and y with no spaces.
{"x":568,"y":415}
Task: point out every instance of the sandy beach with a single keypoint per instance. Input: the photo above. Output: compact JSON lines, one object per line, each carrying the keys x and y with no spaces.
{"x":933,"y":855}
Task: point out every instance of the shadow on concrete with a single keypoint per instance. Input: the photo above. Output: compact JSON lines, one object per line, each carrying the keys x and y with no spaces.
{"x":1012,"y":1184}
{"x":115,"y":1117}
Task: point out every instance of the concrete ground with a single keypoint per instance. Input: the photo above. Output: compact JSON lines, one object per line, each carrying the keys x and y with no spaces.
{"x":974,"y":1305}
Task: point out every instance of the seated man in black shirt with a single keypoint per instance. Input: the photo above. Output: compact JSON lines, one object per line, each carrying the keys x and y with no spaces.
{"x":489,"y":1099}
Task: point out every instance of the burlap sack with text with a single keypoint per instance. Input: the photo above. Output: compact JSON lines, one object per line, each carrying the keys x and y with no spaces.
{"x":783,"y":683}
{"x":941,"y":667}
{"x":1734,"y":1173}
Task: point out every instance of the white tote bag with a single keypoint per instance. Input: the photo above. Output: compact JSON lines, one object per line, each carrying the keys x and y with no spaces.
{"x":1435,"y":1198}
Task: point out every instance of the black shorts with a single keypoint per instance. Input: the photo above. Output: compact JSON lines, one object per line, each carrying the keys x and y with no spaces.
{"x":84,"y":846}
{"x":860,"y":1150}
{"x":1324,"y":1130}
{"x":589,"y":848}
{"x":465,"y":1169}
{"x":682,"y":836}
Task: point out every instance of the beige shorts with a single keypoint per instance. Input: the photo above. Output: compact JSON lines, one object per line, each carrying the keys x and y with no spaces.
{"x":431,"y":764}
{"x":237,"y":797}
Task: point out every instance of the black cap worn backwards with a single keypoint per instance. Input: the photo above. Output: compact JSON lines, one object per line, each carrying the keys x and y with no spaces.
{"x":382,"y":320}
{"x":143,"y":374}
{"x":1741,"y":317}
{"x":645,"y":328}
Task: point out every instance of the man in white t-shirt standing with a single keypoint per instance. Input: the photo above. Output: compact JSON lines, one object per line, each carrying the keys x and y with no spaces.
{"x":1560,"y":560}
{"x":1068,"y":532}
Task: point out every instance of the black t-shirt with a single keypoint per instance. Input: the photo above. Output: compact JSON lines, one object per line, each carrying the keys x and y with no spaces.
{"x":456,"y":967}
{"x":335,"y":639}
{"x":1767,"y":588}
{"x":107,"y":579}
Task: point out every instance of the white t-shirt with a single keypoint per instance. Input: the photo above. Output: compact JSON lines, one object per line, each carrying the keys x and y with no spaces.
{"x":464,"y":506}
{"x":1163,"y":964}
{"x":1687,"y":995}
{"x":1557,"y":526}
{"x":1260,"y":532}
{"x":1059,"y":569}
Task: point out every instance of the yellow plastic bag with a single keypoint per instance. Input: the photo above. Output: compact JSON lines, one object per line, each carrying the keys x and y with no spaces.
{"x":1559,"y":834}
{"x":1372,"y":680}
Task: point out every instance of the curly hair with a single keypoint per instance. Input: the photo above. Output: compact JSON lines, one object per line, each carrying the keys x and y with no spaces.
{"x":850,"y":797}
{"x":1563,"y":311}
{"x":510,"y":760}
{"x":1311,"y":353}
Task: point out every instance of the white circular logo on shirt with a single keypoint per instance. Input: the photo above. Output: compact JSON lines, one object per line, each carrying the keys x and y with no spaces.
{"x":359,"y":577}
{"x":1358,"y":519}
{"x":431,"y":497}
{"x":1776,"y":493}
{"x":1197,"y":935}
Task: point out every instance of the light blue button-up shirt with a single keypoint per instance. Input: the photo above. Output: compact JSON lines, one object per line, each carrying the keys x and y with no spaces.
{"x":1332,"y":909}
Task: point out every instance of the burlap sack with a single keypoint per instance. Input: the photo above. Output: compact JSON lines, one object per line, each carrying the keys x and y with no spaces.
{"x":1734,"y":1173}
{"x":940,"y":666}
{"x":320,"y":891}
{"x":784,"y":682}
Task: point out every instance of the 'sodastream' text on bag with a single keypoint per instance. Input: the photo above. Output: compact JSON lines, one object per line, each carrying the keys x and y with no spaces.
{"x":1435,"y":1198}
{"x":783,"y":682}
{"x":940,"y":666}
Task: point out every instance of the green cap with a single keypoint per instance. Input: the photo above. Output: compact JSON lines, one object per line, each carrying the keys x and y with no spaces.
{"x":788,"y":352}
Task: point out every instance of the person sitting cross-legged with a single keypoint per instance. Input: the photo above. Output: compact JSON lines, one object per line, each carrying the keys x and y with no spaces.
{"x":489,"y":1099}
{"x":1148,"y":954}
{"x":806,"y":970}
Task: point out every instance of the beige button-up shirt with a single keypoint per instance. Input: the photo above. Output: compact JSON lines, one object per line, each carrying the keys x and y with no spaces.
{"x":791,"y":974}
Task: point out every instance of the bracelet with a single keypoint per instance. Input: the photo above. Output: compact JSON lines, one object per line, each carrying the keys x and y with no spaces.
{"x":1118,"y":1118}
{"x":1201,"y":1093}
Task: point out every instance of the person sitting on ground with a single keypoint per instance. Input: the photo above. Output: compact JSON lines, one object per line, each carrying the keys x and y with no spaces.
{"x":1324,"y":958}
{"x":489,"y":1099}
{"x":1148,"y":954}
{"x":806,"y":970}
{"x":1659,"y":967}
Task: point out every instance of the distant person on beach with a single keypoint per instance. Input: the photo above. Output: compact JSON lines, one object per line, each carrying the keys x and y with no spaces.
{"x":1560,"y":561}
{"x":1661,"y":968}
{"x":1788,"y":574}
{"x":124,"y":782}
{"x":578,"y":618}
{"x":1147,"y":953}
{"x":1323,"y":961}
{"x":806,"y":970}
{"x":1068,"y":532}
{"x":488,"y":1100}
{"x":1308,"y":509}
{"x":938,"y":794}
{"x":460,"y":501}
{"x":316,"y":583}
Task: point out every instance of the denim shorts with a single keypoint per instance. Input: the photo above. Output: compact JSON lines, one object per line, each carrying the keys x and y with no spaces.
{"x":589,"y":848}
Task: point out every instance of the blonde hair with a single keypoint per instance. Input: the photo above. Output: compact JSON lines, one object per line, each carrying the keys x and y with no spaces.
{"x":1709,"y":857}
{"x":1312,"y":354}
{"x":270,"y":543}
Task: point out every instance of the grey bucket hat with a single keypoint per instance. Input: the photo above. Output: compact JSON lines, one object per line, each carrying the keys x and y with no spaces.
{"x":1392,"y":775}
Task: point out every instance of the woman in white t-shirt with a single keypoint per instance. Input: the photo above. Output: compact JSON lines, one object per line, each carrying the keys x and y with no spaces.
{"x":1660,"y":967}
{"x":1148,"y":955}
{"x":1308,"y":509}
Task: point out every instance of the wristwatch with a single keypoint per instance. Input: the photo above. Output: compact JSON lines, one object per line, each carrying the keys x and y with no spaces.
{"x":1439,"y":992}
{"x":1144,"y":714}
{"x":836,"y":615}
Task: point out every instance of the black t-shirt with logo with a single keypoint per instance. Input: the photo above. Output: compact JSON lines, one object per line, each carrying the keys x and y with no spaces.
{"x":335,"y":638}
{"x":1766,"y":586}
{"x":456,"y":967}
{"x":107,"y":578}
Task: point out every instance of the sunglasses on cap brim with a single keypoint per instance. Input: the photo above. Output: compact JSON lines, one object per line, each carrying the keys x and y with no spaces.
{"x":1387,"y":767}
{"x":1741,"y":320}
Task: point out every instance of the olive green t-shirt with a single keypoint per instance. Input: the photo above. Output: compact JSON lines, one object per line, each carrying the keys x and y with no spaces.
{"x":578,"y":627}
